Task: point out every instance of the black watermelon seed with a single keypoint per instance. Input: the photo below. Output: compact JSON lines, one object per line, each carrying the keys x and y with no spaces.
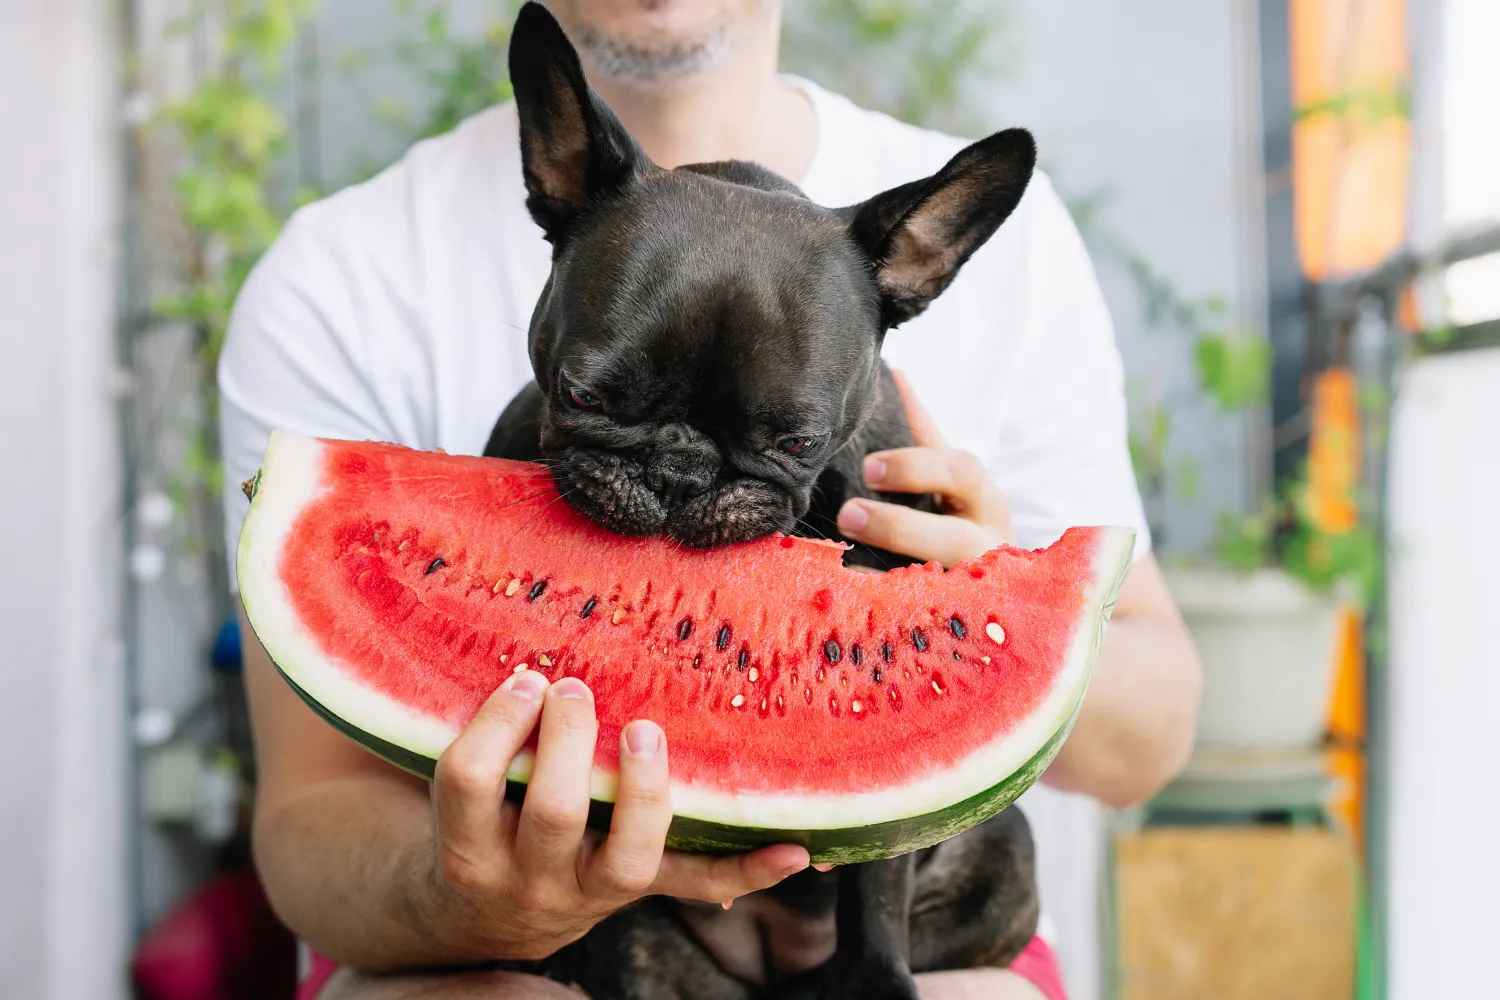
{"x":857,"y":655}
{"x":744,"y":659}
{"x":684,"y":629}
{"x":957,"y":628}
{"x":956,"y":656}
{"x":886,"y":653}
{"x":536,"y":591}
{"x":919,"y":640}
{"x":588,"y":607}
{"x":832,"y":651}
{"x":876,"y":675}
{"x":435,"y":565}
{"x":723,"y":640}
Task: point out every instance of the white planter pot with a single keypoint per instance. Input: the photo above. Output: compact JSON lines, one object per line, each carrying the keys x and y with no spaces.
{"x":1267,"y":644}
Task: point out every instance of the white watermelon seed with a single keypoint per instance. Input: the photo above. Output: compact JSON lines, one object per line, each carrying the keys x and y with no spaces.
{"x":995,"y":632}
{"x":764,"y":704}
{"x":780,"y":703}
{"x":619,"y":616}
{"x":510,"y":590}
{"x":498,"y":585}
{"x":504,"y":657}
{"x":754,"y":675}
{"x":856,"y":707}
{"x":737,"y":700}
{"x":937,"y":687}
{"x":984,"y":659}
{"x":544,"y":660}
{"x":404,"y":545}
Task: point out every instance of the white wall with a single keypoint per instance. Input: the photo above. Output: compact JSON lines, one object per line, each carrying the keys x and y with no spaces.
{"x":62,"y":909}
{"x":1442,"y":872}
{"x":1442,"y":869}
{"x":1153,"y":104}
{"x":1146,"y":101}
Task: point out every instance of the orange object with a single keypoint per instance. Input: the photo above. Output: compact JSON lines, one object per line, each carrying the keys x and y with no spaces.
{"x":1351,"y":141}
{"x":1333,"y":452}
{"x":1347,"y":726}
{"x":1346,"y":709}
{"x":1346,"y":766}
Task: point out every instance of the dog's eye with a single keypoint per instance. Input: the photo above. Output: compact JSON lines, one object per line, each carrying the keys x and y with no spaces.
{"x":795,"y":445}
{"x":583,"y":399}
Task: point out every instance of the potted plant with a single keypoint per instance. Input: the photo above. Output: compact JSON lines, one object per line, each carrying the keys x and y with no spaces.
{"x":1265,"y":608}
{"x":1264,"y":605}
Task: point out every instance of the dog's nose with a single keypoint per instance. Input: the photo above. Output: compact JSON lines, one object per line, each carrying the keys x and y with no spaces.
{"x":677,"y":485}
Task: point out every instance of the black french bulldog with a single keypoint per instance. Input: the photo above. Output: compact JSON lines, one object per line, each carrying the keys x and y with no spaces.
{"x":707,"y":361}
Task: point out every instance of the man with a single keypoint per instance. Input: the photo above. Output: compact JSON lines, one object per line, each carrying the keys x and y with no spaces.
{"x":396,"y":311}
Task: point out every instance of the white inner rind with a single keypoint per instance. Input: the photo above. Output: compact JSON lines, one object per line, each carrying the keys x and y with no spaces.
{"x":292,"y":477}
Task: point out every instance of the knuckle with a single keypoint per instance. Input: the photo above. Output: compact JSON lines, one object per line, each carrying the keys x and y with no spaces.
{"x":464,"y":775}
{"x":968,"y":470}
{"x":554,"y":819}
{"x":463,"y":873}
{"x":572,"y":717}
{"x":629,"y":878}
{"x":645,"y":795}
{"x":534,"y":895}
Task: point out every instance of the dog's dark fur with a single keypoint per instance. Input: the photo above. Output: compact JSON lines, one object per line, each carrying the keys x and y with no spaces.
{"x":707,"y":361}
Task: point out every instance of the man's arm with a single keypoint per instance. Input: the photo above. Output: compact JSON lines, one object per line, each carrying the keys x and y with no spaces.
{"x":375,"y":872}
{"x":335,"y":823}
{"x":1136,"y":726}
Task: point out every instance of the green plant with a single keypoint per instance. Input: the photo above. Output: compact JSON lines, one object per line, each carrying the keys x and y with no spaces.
{"x":1232,"y":372}
{"x":1282,"y":533}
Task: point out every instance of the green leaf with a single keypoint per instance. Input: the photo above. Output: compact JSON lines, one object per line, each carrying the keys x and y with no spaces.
{"x":1233,"y":371}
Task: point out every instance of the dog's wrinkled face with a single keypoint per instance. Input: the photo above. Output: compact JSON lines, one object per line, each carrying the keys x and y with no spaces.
{"x":703,"y":348}
{"x":709,"y":338}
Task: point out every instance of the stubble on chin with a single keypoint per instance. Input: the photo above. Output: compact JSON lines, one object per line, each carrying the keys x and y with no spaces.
{"x":653,"y":56}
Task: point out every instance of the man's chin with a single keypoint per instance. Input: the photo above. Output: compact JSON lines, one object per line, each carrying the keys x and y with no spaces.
{"x":650,"y":41}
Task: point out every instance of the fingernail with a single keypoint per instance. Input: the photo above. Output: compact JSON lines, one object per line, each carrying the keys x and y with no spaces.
{"x":572,"y":687}
{"x":824,"y":868}
{"x":642,"y":738}
{"x":727,"y":904}
{"x":527,"y":685}
{"x":874,"y":469}
{"x":790,"y":870}
{"x":852,"y":518}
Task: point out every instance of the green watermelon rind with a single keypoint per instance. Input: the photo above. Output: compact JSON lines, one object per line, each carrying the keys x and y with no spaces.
{"x":827,"y":842}
{"x":842,"y":846}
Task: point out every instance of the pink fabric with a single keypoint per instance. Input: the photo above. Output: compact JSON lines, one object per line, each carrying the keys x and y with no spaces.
{"x":1037,"y":964}
{"x":316,"y":971}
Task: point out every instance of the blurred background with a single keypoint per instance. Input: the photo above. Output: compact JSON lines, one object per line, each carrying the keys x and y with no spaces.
{"x":1291,"y":205}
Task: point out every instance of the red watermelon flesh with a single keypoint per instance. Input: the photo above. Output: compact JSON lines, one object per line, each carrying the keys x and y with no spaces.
{"x":801,"y":700}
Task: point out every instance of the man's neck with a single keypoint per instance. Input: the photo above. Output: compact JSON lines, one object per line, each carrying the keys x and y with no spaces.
{"x":737,"y":109}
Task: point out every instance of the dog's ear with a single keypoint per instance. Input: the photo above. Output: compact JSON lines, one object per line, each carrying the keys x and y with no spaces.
{"x":918,"y":235}
{"x":573,"y":148}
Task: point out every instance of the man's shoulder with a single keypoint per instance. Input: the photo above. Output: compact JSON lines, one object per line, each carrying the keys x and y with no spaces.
{"x":891,"y":150}
{"x":446,"y":177}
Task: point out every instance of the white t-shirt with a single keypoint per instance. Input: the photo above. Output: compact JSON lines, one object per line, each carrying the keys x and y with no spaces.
{"x":396,"y":310}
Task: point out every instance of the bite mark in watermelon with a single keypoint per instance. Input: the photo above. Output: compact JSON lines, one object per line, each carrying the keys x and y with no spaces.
{"x":860,"y":715}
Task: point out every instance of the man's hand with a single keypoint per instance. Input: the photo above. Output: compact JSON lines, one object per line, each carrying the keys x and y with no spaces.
{"x":975,"y":515}
{"x":379,"y":870}
{"x":1136,"y":726}
{"x":524,"y":881}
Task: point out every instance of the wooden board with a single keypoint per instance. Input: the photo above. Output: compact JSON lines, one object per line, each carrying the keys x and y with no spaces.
{"x":1235,"y":914}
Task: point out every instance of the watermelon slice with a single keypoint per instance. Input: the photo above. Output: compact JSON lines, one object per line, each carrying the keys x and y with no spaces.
{"x":861,"y":715}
